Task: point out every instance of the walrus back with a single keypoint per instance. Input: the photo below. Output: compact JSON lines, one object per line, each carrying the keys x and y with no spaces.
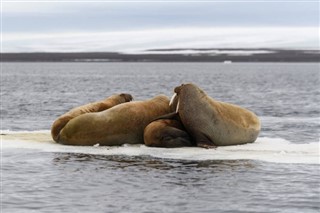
{"x":120,"y":124}
{"x":97,"y":106}
{"x":239,"y":125}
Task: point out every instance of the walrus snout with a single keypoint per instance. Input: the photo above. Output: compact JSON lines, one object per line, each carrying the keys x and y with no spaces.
{"x":178,"y":89}
{"x":187,"y":85}
{"x":127,"y":97}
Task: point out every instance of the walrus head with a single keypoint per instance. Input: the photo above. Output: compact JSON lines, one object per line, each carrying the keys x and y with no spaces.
{"x":127,"y":97}
{"x":178,"y":89}
{"x":186,"y":90}
{"x":174,"y":102}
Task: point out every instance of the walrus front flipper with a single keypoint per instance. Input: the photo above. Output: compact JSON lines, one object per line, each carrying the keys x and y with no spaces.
{"x":175,"y":138}
{"x":166,"y":133}
{"x":204,"y":141}
{"x":168,"y":137}
{"x":172,"y":115}
{"x":176,"y":143}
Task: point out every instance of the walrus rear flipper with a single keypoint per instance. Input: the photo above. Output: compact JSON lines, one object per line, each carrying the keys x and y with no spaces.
{"x":204,"y":141}
{"x":57,"y":126}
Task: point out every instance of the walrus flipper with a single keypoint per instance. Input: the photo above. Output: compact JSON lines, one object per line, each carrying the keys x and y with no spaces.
{"x":204,"y":141}
{"x":176,"y":138}
{"x":176,"y":142}
{"x":172,"y":115}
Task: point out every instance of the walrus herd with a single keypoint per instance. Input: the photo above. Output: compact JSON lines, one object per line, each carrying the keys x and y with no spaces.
{"x":190,"y":118}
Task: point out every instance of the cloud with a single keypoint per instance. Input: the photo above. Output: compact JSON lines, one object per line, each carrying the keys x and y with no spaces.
{"x":55,"y":16}
{"x":67,"y":26}
{"x":137,"y":40}
{"x":27,"y":7}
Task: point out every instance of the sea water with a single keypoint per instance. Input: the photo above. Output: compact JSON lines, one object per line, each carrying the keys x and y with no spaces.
{"x":278,"y":173}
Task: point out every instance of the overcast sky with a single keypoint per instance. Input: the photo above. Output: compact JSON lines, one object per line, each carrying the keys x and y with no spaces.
{"x":29,"y":26}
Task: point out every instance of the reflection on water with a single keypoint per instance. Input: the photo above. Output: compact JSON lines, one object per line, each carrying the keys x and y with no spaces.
{"x":94,"y":183}
{"x":147,"y":162}
{"x":170,"y":172}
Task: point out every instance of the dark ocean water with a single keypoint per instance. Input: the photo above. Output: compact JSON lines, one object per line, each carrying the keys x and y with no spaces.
{"x":285,"y":96}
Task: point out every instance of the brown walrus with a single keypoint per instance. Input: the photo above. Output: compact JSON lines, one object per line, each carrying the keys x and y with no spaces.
{"x":98,"y":106}
{"x":168,"y":133}
{"x":118,"y":125}
{"x":213,"y":123}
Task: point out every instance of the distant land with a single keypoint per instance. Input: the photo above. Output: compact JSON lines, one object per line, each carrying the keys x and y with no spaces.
{"x":226,"y":55}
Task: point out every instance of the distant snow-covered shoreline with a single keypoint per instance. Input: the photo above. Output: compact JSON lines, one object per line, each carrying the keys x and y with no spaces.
{"x":172,"y":55}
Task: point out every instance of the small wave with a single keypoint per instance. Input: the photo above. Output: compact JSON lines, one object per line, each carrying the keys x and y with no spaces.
{"x":7,"y":131}
{"x":267,"y":149}
{"x":315,"y":120}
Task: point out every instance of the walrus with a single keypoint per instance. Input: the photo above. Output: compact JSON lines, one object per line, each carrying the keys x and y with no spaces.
{"x":98,"y":106}
{"x":213,"y":123}
{"x":121,"y":124}
{"x":168,"y":133}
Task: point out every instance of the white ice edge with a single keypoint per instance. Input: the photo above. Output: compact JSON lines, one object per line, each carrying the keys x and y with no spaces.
{"x":276,"y":150}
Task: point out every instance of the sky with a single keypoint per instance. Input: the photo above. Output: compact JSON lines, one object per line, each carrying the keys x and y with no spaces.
{"x":128,"y":26}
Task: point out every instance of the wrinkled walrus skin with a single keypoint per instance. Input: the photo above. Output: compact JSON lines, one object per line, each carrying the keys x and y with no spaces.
{"x":121,"y":124}
{"x":213,"y":123}
{"x":98,"y":106}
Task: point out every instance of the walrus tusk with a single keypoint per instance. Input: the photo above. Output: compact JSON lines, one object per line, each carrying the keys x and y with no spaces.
{"x":177,"y":108}
{"x":172,"y":99}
